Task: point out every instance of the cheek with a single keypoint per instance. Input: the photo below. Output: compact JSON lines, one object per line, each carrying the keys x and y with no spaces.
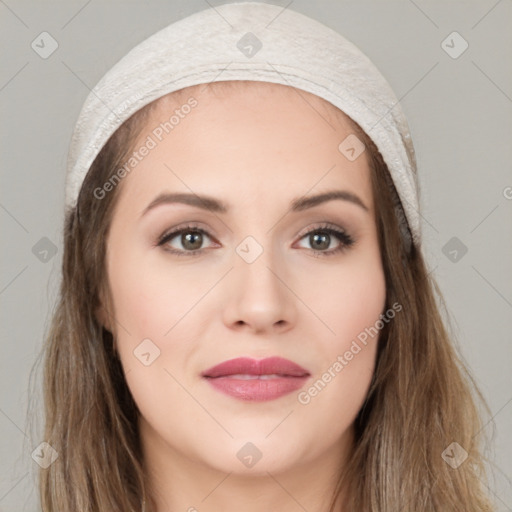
{"x":148,"y":305}
{"x":148,"y":300}
{"x":348,"y":297}
{"x":362,"y":299}
{"x":154,"y":336}
{"x":341,"y":383}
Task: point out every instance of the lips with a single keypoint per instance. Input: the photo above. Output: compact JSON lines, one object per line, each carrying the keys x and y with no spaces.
{"x":245,"y":366}
{"x":249,"y":379}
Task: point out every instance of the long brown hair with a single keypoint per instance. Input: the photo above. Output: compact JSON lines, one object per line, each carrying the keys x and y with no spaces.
{"x":421,"y":398}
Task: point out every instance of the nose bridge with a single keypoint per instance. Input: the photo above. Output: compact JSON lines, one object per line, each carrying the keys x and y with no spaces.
{"x":258,"y":263}
{"x":256,"y":248}
{"x":259,"y":296}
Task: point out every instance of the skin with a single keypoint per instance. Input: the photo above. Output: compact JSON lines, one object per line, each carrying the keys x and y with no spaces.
{"x":204,"y":309}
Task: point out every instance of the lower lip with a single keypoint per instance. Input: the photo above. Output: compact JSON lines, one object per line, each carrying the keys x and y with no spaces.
{"x":259,"y":390}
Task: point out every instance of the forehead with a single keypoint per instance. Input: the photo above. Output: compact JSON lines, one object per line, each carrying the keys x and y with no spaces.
{"x":246,"y":139}
{"x":247,"y":91}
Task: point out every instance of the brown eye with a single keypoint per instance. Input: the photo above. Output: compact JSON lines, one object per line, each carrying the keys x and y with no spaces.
{"x":320,"y":241}
{"x":189,"y":241}
{"x":321,"y":238}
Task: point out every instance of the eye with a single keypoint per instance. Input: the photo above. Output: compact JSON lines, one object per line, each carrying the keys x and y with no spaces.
{"x":320,"y":239}
{"x":190,"y":238}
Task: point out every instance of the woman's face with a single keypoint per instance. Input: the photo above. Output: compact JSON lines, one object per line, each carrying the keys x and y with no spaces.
{"x":267,"y":279}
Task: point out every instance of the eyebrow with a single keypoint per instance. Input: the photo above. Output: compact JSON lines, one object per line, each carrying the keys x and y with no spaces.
{"x":215,"y":205}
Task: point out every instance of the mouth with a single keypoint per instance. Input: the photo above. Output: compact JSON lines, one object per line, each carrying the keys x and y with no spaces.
{"x":245,"y":376}
{"x":256,"y":380}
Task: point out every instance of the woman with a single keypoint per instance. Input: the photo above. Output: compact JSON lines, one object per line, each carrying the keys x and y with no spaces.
{"x":246,"y":319}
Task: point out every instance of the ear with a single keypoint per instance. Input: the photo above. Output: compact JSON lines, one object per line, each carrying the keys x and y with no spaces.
{"x":102,"y":315}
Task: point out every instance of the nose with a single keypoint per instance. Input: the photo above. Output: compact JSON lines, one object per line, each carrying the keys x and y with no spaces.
{"x":259,"y":298}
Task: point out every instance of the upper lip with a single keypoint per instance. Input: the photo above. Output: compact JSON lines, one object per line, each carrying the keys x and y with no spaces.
{"x":248,"y":366}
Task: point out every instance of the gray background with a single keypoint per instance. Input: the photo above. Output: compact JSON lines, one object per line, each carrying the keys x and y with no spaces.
{"x":459,"y":110}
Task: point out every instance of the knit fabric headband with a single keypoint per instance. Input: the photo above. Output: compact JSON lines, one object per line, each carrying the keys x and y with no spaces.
{"x":259,"y":42}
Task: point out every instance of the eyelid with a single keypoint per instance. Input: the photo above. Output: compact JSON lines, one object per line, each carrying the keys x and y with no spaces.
{"x":319,"y":226}
{"x":344,"y":238}
{"x":174,"y":232}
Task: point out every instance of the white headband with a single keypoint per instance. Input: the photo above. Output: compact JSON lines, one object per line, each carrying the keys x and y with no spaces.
{"x":259,"y":42}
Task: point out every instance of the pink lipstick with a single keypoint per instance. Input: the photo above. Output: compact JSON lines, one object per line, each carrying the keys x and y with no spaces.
{"x":256,"y":380}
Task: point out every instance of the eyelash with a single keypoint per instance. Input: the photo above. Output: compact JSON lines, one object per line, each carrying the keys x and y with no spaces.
{"x":346,"y":241}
